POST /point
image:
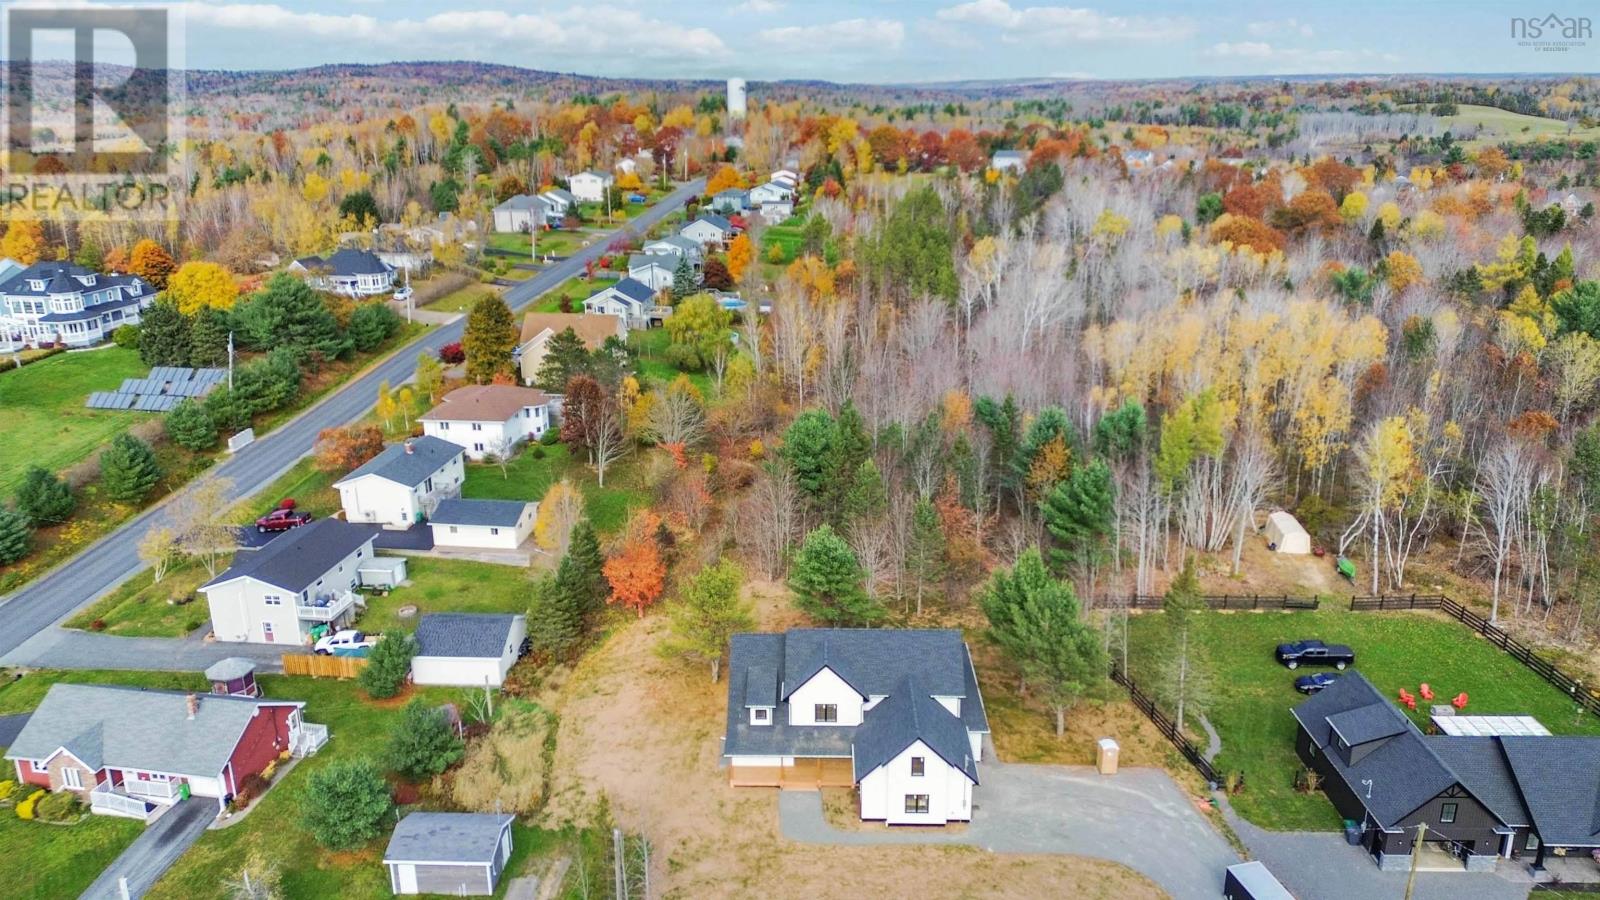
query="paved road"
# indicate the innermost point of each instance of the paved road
(154, 851)
(1139, 818)
(115, 557)
(1319, 865)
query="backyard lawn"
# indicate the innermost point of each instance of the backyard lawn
(529, 475)
(651, 346)
(556, 243)
(46, 422)
(45, 860)
(1252, 693)
(448, 585)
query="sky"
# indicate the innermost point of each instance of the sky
(888, 40)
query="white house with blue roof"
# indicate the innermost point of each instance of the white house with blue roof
(629, 299)
(467, 649)
(58, 302)
(401, 486)
(895, 713)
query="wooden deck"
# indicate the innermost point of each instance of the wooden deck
(804, 775)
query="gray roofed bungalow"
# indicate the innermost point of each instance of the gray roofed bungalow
(460, 854)
(895, 712)
(461, 511)
(1482, 797)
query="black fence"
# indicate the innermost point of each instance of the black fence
(1226, 601)
(1165, 725)
(1517, 650)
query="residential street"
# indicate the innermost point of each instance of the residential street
(1138, 817)
(153, 852)
(114, 558)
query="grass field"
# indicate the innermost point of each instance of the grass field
(786, 235)
(1253, 693)
(653, 367)
(139, 607)
(448, 585)
(528, 476)
(46, 422)
(555, 243)
(44, 860)
(461, 301)
(1499, 125)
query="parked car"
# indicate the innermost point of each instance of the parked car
(283, 519)
(403, 294)
(1316, 681)
(348, 639)
(1315, 653)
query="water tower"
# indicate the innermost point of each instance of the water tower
(736, 98)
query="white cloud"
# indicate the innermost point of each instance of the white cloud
(1264, 58)
(884, 33)
(762, 7)
(565, 36)
(1247, 49)
(1065, 23)
(1277, 27)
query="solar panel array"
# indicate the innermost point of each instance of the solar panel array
(1490, 726)
(161, 390)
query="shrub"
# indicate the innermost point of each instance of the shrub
(20, 791)
(388, 665)
(422, 743)
(25, 809)
(452, 354)
(126, 337)
(551, 437)
(538, 452)
(58, 807)
(252, 787)
(190, 426)
(6, 787)
(371, 324)
(345, 804)
(97, 625)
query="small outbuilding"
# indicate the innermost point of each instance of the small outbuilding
(384, 573)
(467, 649)
(1252, 881)
(234, 676)
(482, 524)
(1286, 535)
(459, 854)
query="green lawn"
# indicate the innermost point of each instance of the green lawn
(310, 488)
(557, 243)
(1501, 124)
(1253, 692)
(462, 300)
(43, 860)
(576, 289)
(139, 607)
(528, 476)
(23, 694)
(46, 422)
(448, 585)
(787, 235)
(653, 367)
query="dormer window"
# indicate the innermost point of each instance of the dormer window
(827, 713)
(36, 285)
(760, 715)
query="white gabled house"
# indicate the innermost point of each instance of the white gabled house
(676, 245)
(789, 178)
(591, 186)
(628, 299)
(352, 272)
(482, 524)
(522, 213)
(303, 578)
(652, 269)
(562, 204)
(61, 302)
(710, 230)
(895, 713)
(771, 192)
(489, 419)
(400, 486)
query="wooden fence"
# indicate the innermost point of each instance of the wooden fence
(322, 666)
(1165, 725)
(1572, 687)
(1223, 601)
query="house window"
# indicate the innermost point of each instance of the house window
(761, 715)
(444, 426)
(273, 600)
(477, 426)
(1447, 813)
(827, 712)
(919, 766)
(478, 447)
(916, 803)
(494, 531)
(71, 779)
(452, 529)
(428, 485)
(1532, 843)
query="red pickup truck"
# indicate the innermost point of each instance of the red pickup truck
(282, 520)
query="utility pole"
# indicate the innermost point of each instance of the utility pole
(230, 361)
(1411, 880)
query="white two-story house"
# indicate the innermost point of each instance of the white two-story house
(489, 419)
(590, 187)
(58, 302)
(303, 578)
(401, 486)
(895, 713)
(629, 299)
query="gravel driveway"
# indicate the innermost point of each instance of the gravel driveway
(1138, 817)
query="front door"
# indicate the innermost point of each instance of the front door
(408, 878)
(266, 632)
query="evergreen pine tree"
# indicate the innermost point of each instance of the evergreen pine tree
(683, 280)
(164, 336)
(1080, 513)
(16, 536)
(208, 338)
(288, 314)
(925, 556)
(564, 356)
(43, 498)
(190, 426)
(584, 549)
(828, 582)
(128, 469)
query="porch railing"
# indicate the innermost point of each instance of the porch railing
(106, 800)
(309, 739)
(332, 609)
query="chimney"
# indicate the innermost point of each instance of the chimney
(194, 704)
(409, 451)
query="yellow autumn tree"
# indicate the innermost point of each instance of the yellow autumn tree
(200, 284)
(724, 178)
(1354, 207)
(23, 241)
(1427, 225)
(1403, 270)
(559, 513)
(1389, 215)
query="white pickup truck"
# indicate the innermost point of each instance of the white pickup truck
(347, 640)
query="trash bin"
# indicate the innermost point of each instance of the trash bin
(1105, 757)
(1352, 832)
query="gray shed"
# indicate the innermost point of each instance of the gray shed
(448, 853)
(382, 572)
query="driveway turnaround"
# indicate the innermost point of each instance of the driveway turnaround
(115, 557)
(1319, 865)
(153, 852)
(1138, 817)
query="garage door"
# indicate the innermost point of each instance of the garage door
(452, 880)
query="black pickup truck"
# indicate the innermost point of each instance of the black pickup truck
(1315, 653)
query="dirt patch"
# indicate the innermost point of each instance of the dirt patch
(644, 734)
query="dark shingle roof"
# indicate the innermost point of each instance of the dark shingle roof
(760, 686)
(721, 222)
(428, 455)
(909, 715)
(112, 725)
(445, 837)
(634, 289)
(1482, 769)
(497, 513)
(1559, 777)
(1367, 723)
(350, 261)
(875, 660)
(297, 558)
(464, 634)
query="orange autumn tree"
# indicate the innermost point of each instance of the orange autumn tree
(740, 253)
(636, 572)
